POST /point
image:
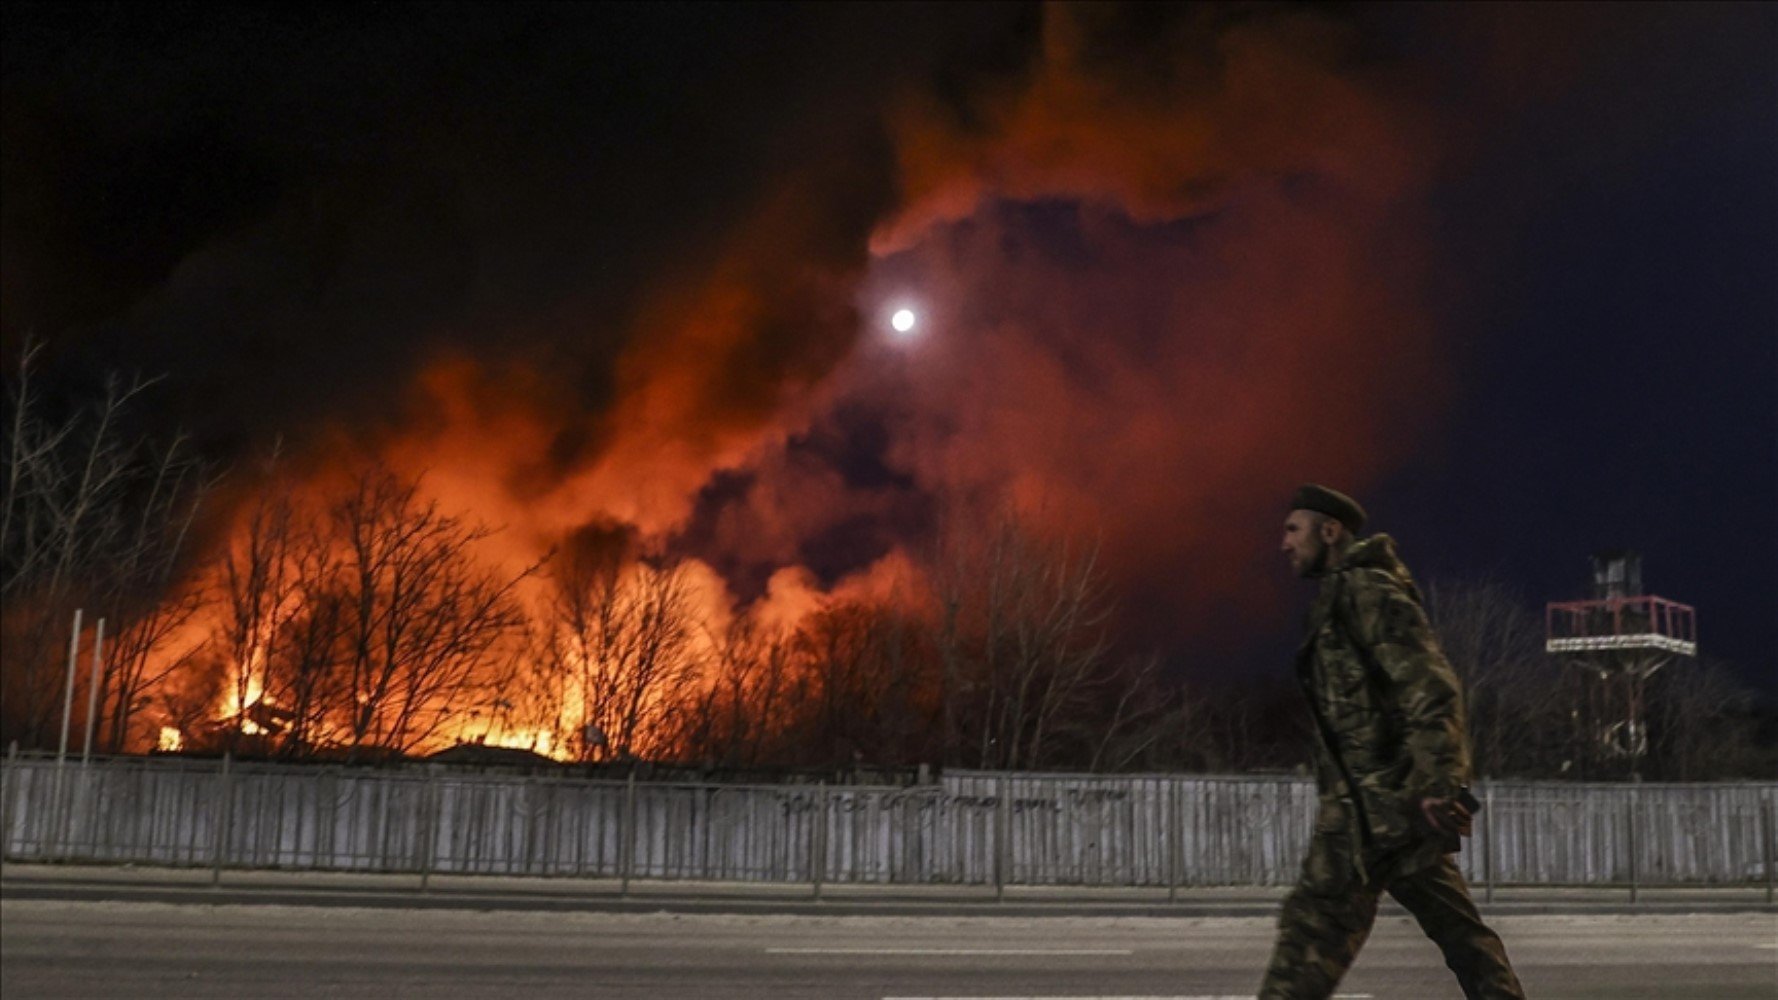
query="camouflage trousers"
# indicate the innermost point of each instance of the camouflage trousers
(1328, 915)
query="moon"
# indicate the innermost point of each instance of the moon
(902, 321)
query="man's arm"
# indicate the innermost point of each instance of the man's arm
(1391, 626)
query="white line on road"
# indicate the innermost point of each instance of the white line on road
(1200, 996)
(949, 951)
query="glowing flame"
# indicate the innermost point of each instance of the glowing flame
(550, 713)
(234, 708)
(536, 740)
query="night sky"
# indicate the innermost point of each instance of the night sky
(1507, 274)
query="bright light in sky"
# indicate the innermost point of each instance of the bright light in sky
(903, 320)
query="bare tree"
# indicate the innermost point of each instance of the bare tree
(743, 714)
(150, 648)
(1516, 694)
(305, 673)
(1534, 715)
(1026, 644)
(261, 597)
(422, 626)
(618, 638)
(864, 686)
(1257, 723)
(94, 516)
(1149, 719)
(1702, 725)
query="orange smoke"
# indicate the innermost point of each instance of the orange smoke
(1157, 299)
(1165, 304)
(1237, 309)
(1261, 100)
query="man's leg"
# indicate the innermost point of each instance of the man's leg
(1325, 921)
(1439, 900)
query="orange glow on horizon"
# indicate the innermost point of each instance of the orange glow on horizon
(544, 718)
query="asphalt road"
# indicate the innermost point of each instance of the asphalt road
(53, 948)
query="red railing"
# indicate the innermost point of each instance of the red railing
(1614, 617)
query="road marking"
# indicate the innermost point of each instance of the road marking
(1197, 996)
(949, 951)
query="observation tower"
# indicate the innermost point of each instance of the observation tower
(1616, 640)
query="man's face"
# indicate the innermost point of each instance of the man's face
(1304, 544)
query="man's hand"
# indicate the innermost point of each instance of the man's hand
(1446, 816)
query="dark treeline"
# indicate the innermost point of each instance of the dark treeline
(1537, 715)
(362, 621)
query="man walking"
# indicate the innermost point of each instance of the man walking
(1391, 766)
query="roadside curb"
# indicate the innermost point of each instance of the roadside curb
(414, 899)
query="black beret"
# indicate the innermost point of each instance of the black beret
(1333, 503)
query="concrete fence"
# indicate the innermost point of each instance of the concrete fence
(970, 828)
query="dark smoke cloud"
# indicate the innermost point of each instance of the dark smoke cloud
(1156, 293)
(292, 212)
(576, 268)
(627, 267)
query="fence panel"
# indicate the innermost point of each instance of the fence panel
(1158, 830)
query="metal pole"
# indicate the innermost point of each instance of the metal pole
(818, 839)
(92, 694)
(627, 838)
(1630, 817)
(1487, 838)
(222, 821)
(68, 691)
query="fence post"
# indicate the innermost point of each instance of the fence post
(1002, 817)
(818, 838)
(1768, 820)
(627, 835)
(582, 819)
(1175, 836)
(1487, 839)
(1630, 816)
(92, 694)
(527, 794)
(224, 816)
(70, 785)
(706, 869)
(431, 798)
(68, 692)
(62, 796)
(6, 808)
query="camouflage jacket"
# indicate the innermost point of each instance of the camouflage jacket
(1389, 709)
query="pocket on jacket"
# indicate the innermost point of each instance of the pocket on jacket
(1392, 812)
